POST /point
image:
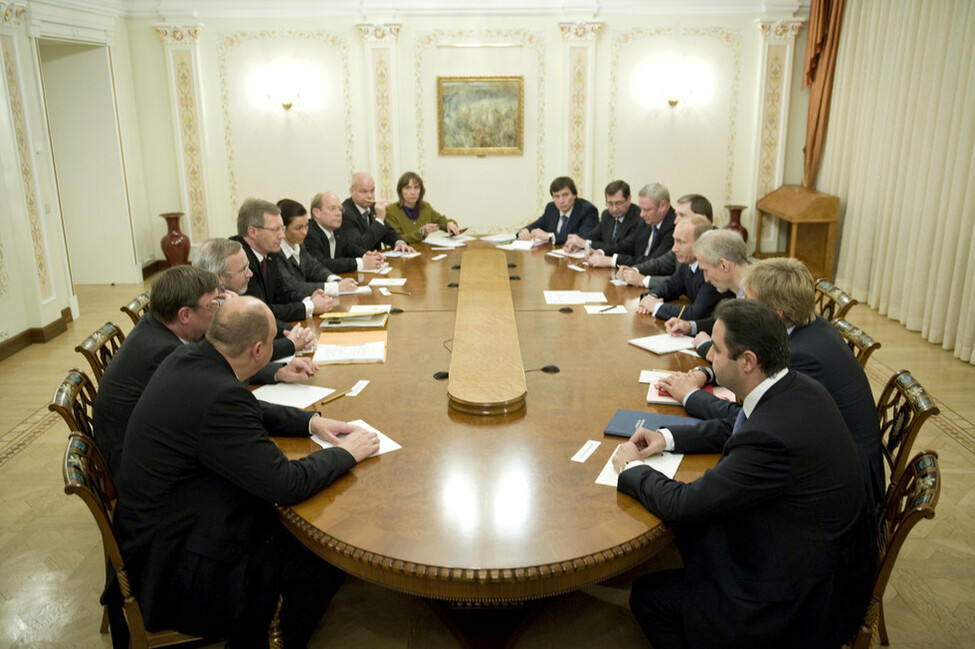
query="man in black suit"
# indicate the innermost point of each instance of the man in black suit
(260, 231)
(652, 272)
(566, 214)
(778, 545)
(620, 220)
(195, 520)
(817, 350)
(688, 280)
(327, 243)
(364, 219)
(651, 239)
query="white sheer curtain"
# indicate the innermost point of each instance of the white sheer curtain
(900, 154)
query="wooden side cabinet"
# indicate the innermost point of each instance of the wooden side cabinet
(812, 219)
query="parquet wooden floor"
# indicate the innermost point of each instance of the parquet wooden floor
(51, 559)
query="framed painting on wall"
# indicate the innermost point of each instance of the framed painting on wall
(480, 115)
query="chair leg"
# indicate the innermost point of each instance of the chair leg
(884, 641)
(104, 627)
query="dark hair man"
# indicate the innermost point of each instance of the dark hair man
(620, 220)
(566, 214)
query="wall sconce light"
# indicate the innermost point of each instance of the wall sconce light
(672, 101)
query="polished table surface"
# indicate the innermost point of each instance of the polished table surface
(490, 509)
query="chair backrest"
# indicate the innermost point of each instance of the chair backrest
(74, 400)
(913, 497)
(832, 302)
(861, 344)
(86, 475)
(902, 409)
(136, 307)
(100, 346)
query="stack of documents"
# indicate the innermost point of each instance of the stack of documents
(499, 238)
(522, 245)
(360, 316)
(574, 297)
(663, 343)
(351, 347)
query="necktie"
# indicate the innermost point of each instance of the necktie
(653, 235)
(562, 222)
(264, 267)
(331, 247)
(616, 229)
(365, 217)
(739, 421)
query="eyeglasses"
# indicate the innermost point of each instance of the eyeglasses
(615, 203)
(277, 230)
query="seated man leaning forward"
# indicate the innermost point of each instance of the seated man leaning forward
(205, 551)
(566, 214)
(778, 547)
(688, 280)
(620, 220)
(364, 219)
(651, 239)
(329, 244)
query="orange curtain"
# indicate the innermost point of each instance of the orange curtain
(825, 20)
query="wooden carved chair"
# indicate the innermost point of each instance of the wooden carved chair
(100, 346)
(902, 409)
(913, 497)
(137, 307)
(86, 474)
(861, 344)
(832, 302)
(74, 400)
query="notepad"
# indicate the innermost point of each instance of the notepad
(351, 347)
(667, 463)
(292, 394)
(393, 254)
(661, 396)
(502, 237)
(386, 444)
(388, 281)
(663, 343)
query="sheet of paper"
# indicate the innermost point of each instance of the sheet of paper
(564, 297)
(444, 242)
(388, 281)
(365, 353)
(555, 253)
(384, 291)
(438, 257)
(663, 343)
(382, 269)
(502, 237)
(578, 269)
(666, 463)
(689, 352)
(357, 388)
(521, 245)
(617, 282)
(587, 449)
(618, 309)
(360, 290)
(292, 394)
(594, 296)
(385, 443)
(393, 254)
(649, 376)
(370, 308)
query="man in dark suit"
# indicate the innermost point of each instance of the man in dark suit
(818, 351)
(195, 521)
(778, 545)
(566, 214)
(364, 219)
(619, 221)
(260, 231)
(651, 239)
(654, 271)
(327, 243)
(688, 280)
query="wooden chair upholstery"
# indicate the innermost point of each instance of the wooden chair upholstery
(902, 409)
(913, 497)
(86, 474)
(832, 302)
(100, 346)
(861, 344)
(74, 400)
(137, 307)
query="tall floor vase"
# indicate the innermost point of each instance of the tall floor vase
(175, 245)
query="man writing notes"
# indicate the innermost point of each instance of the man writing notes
(620, 220)
(364, 219)
(777, 543)
(652, 272)
(329, 244)
(652, 239)
(688, 280)
(816, 350)
(566, 214)
(195, 522)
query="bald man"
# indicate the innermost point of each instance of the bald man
(364, 219)
(195, 522)
(328, 244)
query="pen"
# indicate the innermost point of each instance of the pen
(400, 292)
(681, 312)
(609, 308)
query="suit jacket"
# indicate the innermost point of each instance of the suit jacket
(305, 272)
(126, 376)
(703, 296)
(601, 236)
(316, 244)
(583, 218)
(819, 352)
(777, 541)
(362, 237)
(408, 229)
(663, 264)
(631, 250)
(278, 291)
(196, 488)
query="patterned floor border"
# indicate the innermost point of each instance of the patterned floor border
(951, 423)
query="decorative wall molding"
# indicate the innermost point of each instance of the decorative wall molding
(232, 41)
(527, 39)
(179, 34)
(730, 38)
(28, 176)
(379, 33)
(379, 40)
(780, 30)
(580, 31)
(12, 14)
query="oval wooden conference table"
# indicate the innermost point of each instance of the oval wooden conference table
(490, 509)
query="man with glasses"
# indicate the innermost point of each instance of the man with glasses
(260, 230)
(652, 238)
(620, 220)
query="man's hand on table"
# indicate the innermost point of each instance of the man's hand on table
(302, 337)
(297, 369)
(679, 384)
(647, 304)
(677, 327)
(321, 302)
(643, 444)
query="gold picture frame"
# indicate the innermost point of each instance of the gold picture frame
(481, 115)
